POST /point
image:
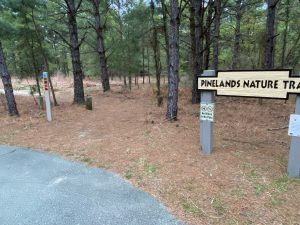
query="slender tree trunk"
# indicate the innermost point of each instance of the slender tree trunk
(6, 80)
(130, 82)
(172, 107)
(36, 72)
(198, 5)
(100, 46)
(237, 36)
(193, 40)
(65, 66)
(75, 53)
(124, 80)
(34, 66)
(148, 65)
(217, 22)
(143, 65)
(44, 56)
(270, 34)
(208, 34)
(156, 52)
(285, 32)
(166, 32)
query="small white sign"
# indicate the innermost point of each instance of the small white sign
(294, 126)
(207, 111)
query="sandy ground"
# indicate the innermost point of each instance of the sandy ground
(244, 181)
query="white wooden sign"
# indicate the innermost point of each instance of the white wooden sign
(260, 84)
(207, 111)
(294, 126)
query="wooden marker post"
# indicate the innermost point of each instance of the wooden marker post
(206, 117)
(47, 96)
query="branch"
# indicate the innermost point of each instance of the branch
(68, 6)
(62, 37)
(82, 39)
(78, 6)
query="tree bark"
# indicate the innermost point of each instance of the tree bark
(172, 107)
(6, 80)
(35, 67)
(166, 32)
(65, 66)
(270, 34)
(100, 46)
(237, 36)
(198, 6)
(75, 53)
(143, 74)
(193, 40)
(208, 34)
(217, 22)
(285, 32)
(156, 51)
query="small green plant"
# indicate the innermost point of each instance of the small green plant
(188, 208)
(219, 207)
(281, 184)
(150, 169)
(128, 174)
(33, 89)
(86, 160)
(259, 189)
(254, 173)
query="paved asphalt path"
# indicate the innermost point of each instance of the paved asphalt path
(38, 188)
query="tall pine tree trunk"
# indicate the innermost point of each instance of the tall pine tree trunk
(285, 33)
(172, 107)
(100, 46)
(193, 40)
(165, 22)
(6, 80)
(237, 36)
(156, 51)
(75, 54)
(208, 34)
(217, 22)
(270, 34)
(198, 6)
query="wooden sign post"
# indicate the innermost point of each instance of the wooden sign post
(276, 84)
(47, 96)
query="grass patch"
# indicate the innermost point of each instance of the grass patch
(259, 189)
(219, 206)
(150, 169)
(191, 208)
(281, 184)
